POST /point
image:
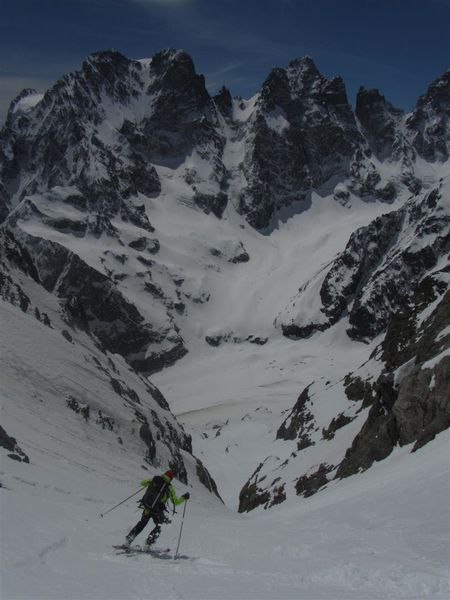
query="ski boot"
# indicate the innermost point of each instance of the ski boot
(153, 536)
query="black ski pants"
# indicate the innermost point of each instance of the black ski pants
(158, 519)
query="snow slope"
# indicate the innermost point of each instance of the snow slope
(382, 534)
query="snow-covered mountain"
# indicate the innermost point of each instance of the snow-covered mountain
(278, 267)
(53, 367)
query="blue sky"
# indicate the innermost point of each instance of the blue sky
(397, 46)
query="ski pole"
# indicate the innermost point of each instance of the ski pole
(181, 529)
(108, 511)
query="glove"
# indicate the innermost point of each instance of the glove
(186, 496)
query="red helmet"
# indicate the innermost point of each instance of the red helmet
(170, 474)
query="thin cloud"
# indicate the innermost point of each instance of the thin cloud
(224, 76)
(225, 69)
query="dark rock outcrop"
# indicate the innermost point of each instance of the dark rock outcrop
(15, 452)
(337, 423)
(413, 405)
(224, 102)
(251, 496)
(299, 423)
(205, 478)
(308, 485)
(349, 273)
(211, 204)
(380, 121)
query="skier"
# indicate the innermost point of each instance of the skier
(159, 492)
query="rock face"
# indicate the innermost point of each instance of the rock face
(66, 148)
(429, 122)
(92, 299)
(408, 403)
(10, 444)
(99, 130)
(380, 122)
(380, 266)
(412, 397)
(252, 496)
(302, 132)
(299, 423)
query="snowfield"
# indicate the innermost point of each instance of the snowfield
(382, 534)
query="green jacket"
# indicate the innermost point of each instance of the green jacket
(169, 494)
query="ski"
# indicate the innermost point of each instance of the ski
(161, 553)
(141, 549)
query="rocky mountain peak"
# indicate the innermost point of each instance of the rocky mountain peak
(298, 80)
(167, 57)
(275, 90)
(78, 97)
(310, 92)
(304, 77)
(105, 57)
(21, 105)
(438, 94)
(224, 101)
(303, 66)
(302, 133)
(334, 92)
(107, 72)
(178, 89)
(175, 69)
(379, 119)
(372, 100)
(305, 131)
(429, 122)
(23, 94)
